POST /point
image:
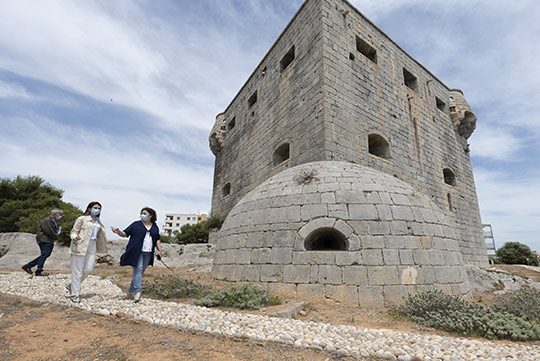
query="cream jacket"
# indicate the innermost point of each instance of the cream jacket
(83, 227)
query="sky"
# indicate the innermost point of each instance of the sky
(114, 100)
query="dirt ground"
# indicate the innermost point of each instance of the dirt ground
(41, 331)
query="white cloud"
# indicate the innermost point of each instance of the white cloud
(510, 203)
(495, 143)
(124, 174)
(12, 91)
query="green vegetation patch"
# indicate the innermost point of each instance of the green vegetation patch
(172, 286)
(239, 296)
(524, 303)
(451, 313)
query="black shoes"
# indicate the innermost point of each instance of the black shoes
(41, 274)
(27, 269)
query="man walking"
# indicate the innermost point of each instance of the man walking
(46, 236)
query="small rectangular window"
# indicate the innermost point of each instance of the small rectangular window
(440, 104)
(252, 99)
(177, 224)
(231, 124)
(189, 218)
(287, 59)
(410, 80)
(367, 50)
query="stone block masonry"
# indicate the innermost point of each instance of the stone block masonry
(382, 177)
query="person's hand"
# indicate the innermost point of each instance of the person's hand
(115, 230)
(78, 238)
(110, 242)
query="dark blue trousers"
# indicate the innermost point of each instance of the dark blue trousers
(46, 250)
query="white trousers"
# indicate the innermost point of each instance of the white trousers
(81, 266)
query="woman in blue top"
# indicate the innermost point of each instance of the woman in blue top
(143, 239)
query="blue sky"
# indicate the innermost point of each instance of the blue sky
(114, 100)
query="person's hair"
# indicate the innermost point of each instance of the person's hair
(89, 207)
(153, 215)
(56, 211)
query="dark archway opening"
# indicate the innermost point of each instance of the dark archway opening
(281, 154)
(326, 239)
(378, 146)
(449, 177)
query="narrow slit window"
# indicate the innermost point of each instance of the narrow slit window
(450, 207)
(449, 177)
(252, 99)
(367, 50)
(226, 190)
(281, 154)
(287, 59)
(410, 80)
(378, 146)
(440, 104)
(231, 124)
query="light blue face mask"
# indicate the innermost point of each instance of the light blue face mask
(58, 217)
(95, 212)
(144, 217)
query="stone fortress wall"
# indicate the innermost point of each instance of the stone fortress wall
(335, 88)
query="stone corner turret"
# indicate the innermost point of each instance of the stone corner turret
(463, 118)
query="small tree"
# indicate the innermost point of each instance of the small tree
(215, 221)
(193, 233)
(25, 201)
(23, 196)
(516, 253)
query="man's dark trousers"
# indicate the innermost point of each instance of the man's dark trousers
(46, 250)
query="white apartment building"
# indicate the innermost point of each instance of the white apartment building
(174, 221)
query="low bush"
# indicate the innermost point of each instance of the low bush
(172, 286)
(524, 303)
(240, 296)
(451, 313)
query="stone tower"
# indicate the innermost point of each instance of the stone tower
(344, 168)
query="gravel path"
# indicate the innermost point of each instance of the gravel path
(105, 298)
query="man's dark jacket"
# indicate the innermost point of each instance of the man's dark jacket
(48, 230)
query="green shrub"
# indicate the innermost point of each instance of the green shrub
(516, 253)
(215, 221)
(192, 233)
(524, 303)
(172, 286)
(451, 313)
(239, 296)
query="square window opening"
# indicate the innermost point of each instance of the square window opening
(367, 50)
(440, 104)
(287, 59)
(410, 80)
(231, 124)
(252, 99)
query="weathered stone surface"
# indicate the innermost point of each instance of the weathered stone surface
(370, 142)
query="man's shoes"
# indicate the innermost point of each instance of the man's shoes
(27, 269)
(41, 274)
(75, 299)
(137, 297)
(130, 295)
(68, 287)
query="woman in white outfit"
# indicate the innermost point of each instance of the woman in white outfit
(87, 238)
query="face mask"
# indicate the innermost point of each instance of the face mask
(95, 212)
(144, 217)
(58, 217)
